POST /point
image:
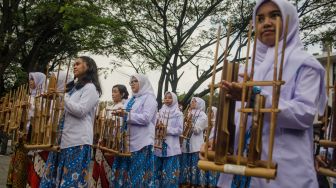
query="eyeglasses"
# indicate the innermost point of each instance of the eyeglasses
(133, 82)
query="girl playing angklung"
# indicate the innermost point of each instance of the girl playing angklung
(167, 166)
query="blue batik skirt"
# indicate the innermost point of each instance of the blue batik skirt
(167, 171)
(68, 168)
(190, 174)
(211, 178)
(135, 171)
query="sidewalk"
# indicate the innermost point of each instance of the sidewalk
(4, 163)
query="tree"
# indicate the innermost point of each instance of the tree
(170, 35)
(35, 33)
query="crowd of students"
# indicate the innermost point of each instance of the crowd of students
(175, 164)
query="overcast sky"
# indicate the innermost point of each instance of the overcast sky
(121, 76)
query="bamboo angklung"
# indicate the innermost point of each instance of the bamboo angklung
(329, 140)
(188, 125)
(225, 126)
(252, 165)
(161, 131)
(13, 112)
(212, 89)
(114, 135)
(49, 109)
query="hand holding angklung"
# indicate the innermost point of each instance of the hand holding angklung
(118, 112)
(234, 89)
(203, 149)
(320, 162)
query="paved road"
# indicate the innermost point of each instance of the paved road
(4, 163)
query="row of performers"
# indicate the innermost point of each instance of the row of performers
(170, 166)
(302, 96)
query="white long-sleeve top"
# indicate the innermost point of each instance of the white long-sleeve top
(141, 121)
(79, 116)
(174, 130)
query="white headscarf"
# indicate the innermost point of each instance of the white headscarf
(200, 103)
(39, 79)
(173, 109)
(145, 86)
(295, 56)
(61, 80)
(214, 111)
(199, 112)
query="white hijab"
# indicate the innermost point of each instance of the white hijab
(214, 111)
(199, 112)
(144, 84)
(173, 109)
(39, 79)
(61, 80)
(295, 56)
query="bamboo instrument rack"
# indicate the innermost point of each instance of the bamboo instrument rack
(161, 130)
(221, 157)
(329, 140)
(48, 115)
(114, 136)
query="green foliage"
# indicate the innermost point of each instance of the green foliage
(35, 33)
(173, 36)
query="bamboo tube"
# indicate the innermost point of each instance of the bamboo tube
(243, 116)
(267, 173)
(212, 92)
(262, 110)
(328, 87)
(327, 143)
(222, 120)
(46, 147)
(233, 160)
(284, 44)
(274, 94)
(255, 145)
(326, 172)
(263, 83)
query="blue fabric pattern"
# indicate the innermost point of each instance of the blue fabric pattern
(190, 174)
(125, 126)
(164, 148)
(167, 171)
(69, 168)
(135, 171)
(240, 181)
(211, 178)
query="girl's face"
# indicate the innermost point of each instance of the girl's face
(135, 86)
(80, 68)
(32, 83)
(193, 104)
(168, 99)
(266, 22)
(116, 95)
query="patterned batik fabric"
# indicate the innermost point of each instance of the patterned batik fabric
(239, 181)
(102, 170)
(211, 178)
(167, 171)
(36, 168)
(17, 172)
(72, 169)
(190, 174)
(135, 171)
(48, 179)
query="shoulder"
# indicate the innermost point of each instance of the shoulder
(148, 98)
(306, 59)
(90, 88)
